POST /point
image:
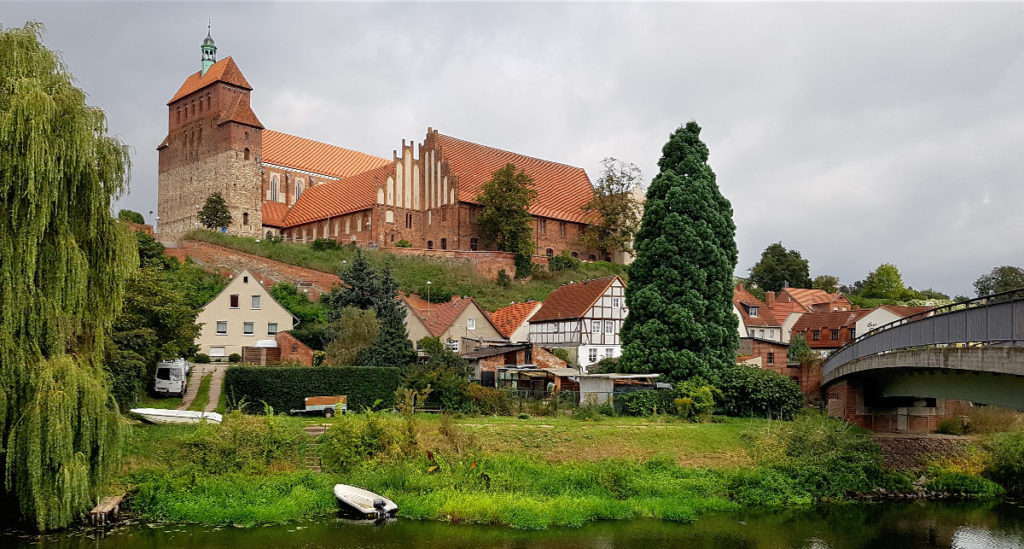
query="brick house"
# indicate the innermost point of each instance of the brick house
(826, 332)
(584, 318)
(424, 196)
(772, 355)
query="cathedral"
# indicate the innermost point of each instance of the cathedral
(276, 184)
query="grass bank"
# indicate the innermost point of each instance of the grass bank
(529, 474)
(412, 272)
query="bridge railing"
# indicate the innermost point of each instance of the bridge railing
(994, 319)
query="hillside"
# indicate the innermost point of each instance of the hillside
(447, 276)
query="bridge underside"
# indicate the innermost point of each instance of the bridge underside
(919, 382)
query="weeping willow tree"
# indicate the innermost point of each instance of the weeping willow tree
(63, 266)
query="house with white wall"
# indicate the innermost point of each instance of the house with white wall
(243, 313)
(585, 318)
(460, 317)
(755, 317)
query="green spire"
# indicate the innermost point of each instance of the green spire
(209, 51)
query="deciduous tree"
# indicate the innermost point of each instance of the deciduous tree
(828, 283)
(354, 331)
(681, 320)
(616, 208)
(215, 214)
(505, 221)
(779, 267)
(131, 217)
(885, 282)
(1000, 279)
(64, 263)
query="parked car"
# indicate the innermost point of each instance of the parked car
(172, 377)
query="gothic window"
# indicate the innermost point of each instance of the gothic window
(593, 257)
(549, 252)
(542, 226)
(245, 218)
(273, 187)
(207, 101)
(193, 108)
(561, 229)
(179, 115)
(473, 244)
(430, 244)
(576, 255)
(298, 190)
(245, 153)
(444, 243)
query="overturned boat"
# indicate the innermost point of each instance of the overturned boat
(364, 503)
(161, 416)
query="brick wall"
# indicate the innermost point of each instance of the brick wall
(293, 349)
(544, 359)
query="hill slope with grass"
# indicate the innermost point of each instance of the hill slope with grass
(447, 276)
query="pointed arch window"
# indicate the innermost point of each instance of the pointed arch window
(245, 153)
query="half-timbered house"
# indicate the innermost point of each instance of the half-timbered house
(585, 318)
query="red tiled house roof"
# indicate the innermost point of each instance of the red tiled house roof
(313, 156)
(442, 315)
(509, 319)
(744, 301)
(274, 213)
(562, 190)
(240, 111)
(825, 321)
(573, 300)
(811, 299)
(332, 198)
(224, 70)
(903, 311)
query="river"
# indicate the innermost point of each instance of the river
(891, 525)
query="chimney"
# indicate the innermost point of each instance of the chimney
(769, 298)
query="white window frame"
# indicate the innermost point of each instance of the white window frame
(595, 326)
(217, 351)
(609, 352)
(753, 312)
(225, 323)
(609, 327)
(271, 331)
(471, 323)
(256, 303)
(592, 355)
(615, 302)
(760, 334)
(248, 328)
(452, 345)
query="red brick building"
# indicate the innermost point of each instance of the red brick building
(424, 196)
(826, 332)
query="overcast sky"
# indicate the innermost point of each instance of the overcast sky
(858, 134)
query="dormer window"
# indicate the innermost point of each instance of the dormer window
(753, 311)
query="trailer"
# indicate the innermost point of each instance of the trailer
(328, 406)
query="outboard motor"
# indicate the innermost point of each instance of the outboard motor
(378, 504)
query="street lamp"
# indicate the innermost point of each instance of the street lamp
(428, 299)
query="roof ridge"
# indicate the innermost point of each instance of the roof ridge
(293, 136)
(508, 151)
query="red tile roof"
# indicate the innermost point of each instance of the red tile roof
(573, 300)
(903, 311)
(811, 299)
(333, 198)
(509, 319)
(828, 320)
(782, 309)
(562, 190)
(744, 300)
(313, 156)
(274, 213)
(441, 315)
(240, 111)
(224, 70)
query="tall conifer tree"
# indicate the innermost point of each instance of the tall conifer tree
(63, 266)
(681, 322)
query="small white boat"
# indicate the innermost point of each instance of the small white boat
(161, 416)
(364, 502)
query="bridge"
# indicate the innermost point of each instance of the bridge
(909, 374)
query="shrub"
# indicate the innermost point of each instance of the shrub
(324, 244)
(1007, 466)
(561, 353)
(826, 457)
(950, 426)
(751, 391)
(201, 358)
(952, 482)
(504, 280)
(243, 443)
(646, 402)
(524, 265)
(403, 243)
(353, 439)
(235, 358)
(993, 419)
(564, 262)
(285, 388)
(695, 400)
(490, 401)
(606, 365)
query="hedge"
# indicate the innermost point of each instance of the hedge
(286, 388)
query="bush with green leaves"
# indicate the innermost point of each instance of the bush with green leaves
(695, 400)
(201, 358)
(564, 262)
(749, 391)
(234, 358)
(286, 388)
(353, 439)
(444, 372)
(403, 243)
(491, 401)
(324, 244)
(246, 443)
(646, 402)
(1007, 465)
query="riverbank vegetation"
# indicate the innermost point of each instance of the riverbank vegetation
(525, 473)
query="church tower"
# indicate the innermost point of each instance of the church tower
(213, 144)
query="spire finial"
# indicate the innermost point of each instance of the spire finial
(209, 50)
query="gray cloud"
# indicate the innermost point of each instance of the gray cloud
(856, 133)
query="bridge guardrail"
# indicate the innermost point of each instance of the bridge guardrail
(997, 318)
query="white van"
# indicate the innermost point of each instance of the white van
(172, 376)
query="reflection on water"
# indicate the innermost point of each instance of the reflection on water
(896, 526)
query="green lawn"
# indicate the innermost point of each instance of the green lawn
(166, 403)
(203, 395)
(412, 272)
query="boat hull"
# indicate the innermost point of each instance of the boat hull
(359, 502)
(166, 417)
